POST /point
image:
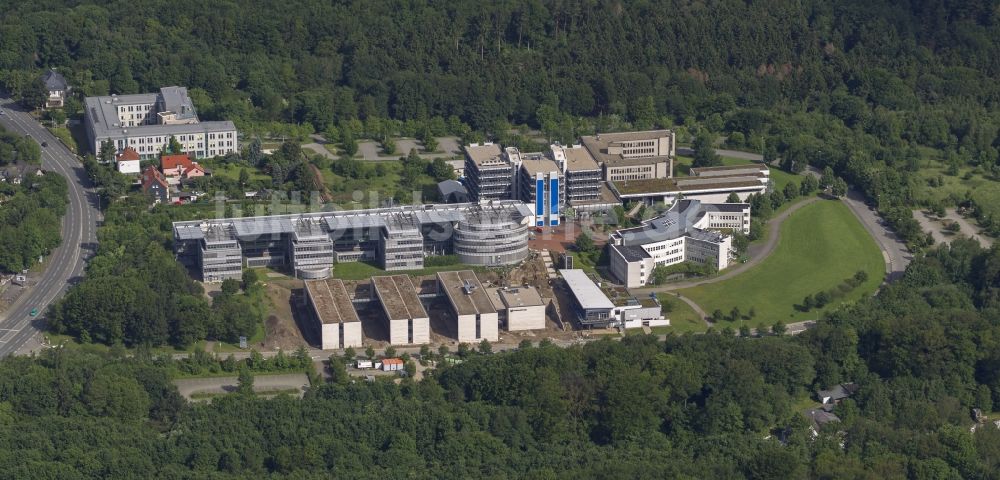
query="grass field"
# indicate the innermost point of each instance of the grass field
(821, 245)
(682, 318)
(232, 171)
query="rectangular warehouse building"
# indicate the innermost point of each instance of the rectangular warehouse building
(593, 308)
(521, 308)
(406, 319)
(330, 304)
(475, 318)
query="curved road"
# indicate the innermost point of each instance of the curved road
(66, 263)
(757, 253)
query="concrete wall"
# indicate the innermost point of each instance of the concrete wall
(330, 336)
(421, 330)
(399, 332)
(466, 328)
(489, 327)
(526, 318)
(352, 334)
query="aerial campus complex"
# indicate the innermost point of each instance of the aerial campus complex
(511, 193)
(146, 122)
(492, 233)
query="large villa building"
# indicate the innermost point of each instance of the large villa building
(689, 231)
(146, 122)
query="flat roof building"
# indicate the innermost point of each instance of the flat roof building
(488, 173)
(474, 315)
(398, 238)
(147, 121)
(592, 306)
(633, 155)
(520, 308)
(331, 306)
(405, 317)
(713, 188)
(689, 231)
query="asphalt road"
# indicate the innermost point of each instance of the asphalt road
(79, 233)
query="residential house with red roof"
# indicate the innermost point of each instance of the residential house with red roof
(177, 167)
(127, 161)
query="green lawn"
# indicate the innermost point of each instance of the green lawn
(682, 318)
(821, 245)
(232, 172)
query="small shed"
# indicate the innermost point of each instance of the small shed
(392, 364)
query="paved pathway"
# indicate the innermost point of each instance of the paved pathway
(262, 383)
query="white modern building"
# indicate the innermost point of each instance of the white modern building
(597, 305)
(520, 308)
(147, 121)
(474, 316)
(689, 231)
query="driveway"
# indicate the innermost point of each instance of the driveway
(261, 384)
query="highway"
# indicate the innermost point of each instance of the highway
(65, 265)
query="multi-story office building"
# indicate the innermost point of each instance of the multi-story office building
(582, 175)
(147, 121)
(488, 172)
(397, 238)
(689, 231)
(707, 184)
(633, 155)
(539, 183)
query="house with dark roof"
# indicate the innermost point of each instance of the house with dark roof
(57, 87)
(18, 172)
(689, 231)
(818, 418)
(155, 184)
(836, 393)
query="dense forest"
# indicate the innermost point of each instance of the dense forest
(924, 352)
(873, 89)
(136, 293)
(30, 219)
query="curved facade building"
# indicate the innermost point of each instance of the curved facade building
(483, 239)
